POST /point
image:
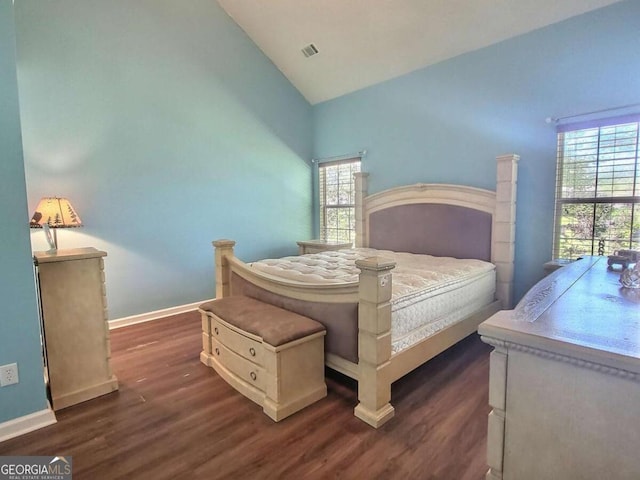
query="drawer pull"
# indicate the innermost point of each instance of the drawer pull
(216, 330)
(253, 375)
(252, 351)
(217, 351)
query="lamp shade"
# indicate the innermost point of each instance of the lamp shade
(56, 212)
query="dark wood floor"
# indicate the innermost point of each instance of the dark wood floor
(174, 418)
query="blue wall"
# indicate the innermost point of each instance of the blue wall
(448, 122)
(167, 128)
(19, 330)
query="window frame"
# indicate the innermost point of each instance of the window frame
(597, 198)
(324, 206)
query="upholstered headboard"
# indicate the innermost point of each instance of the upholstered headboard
(434, 229)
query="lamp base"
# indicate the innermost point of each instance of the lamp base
(52, 240)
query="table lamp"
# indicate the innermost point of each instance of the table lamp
(54, 213)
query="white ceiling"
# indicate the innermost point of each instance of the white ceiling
(363, 42)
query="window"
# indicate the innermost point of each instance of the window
(598, 189)
(336, 188)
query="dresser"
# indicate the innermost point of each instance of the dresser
(74, 319)
(565, 379)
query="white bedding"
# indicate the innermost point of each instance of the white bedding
(428, 293)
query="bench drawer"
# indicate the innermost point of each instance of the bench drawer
(236, 342)
(242, 368)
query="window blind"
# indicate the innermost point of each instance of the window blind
(597, 188)
(336, 188)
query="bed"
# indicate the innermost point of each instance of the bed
(436, 220)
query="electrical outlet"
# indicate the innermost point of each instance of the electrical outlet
(9, 374)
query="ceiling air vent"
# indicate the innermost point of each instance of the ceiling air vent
(310, 50)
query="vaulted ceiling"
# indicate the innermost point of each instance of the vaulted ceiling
(364, 42)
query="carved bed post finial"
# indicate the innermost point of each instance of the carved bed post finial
(504, 227)
(362, 185)
(374, 341)
(223, 248)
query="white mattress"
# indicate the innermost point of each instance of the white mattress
(429, 293)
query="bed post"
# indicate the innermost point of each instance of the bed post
(223, 248)
(374, 341)
(504, 227)
(362, 185)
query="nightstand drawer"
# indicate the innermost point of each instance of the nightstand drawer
(237, 342)
(241, 368)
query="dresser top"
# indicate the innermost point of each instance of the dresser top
(580, 310)
(68, 254)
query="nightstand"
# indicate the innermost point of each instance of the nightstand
(315, 246)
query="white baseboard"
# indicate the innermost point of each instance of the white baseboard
(155, 315)
(28, 423)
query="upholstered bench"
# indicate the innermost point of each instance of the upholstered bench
(272, 356)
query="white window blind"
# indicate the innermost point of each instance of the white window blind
(336, 188)
(598, 188)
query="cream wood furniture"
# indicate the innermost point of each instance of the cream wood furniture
(315, 246)
(271, 356)
(565, 379)
(369, 298)
(74, 316)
